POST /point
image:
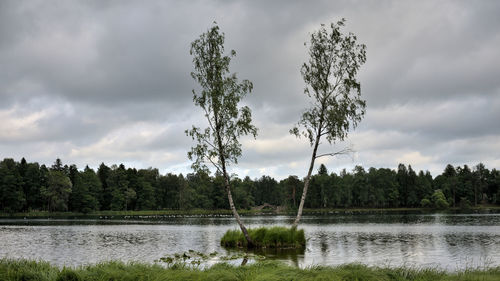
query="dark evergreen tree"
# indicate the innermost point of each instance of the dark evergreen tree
(57, 166)
(402, 179)
(72, 173)
(103, 174)
(450, 185)
(216, 193)
(83, 197)
(424, 185)
(268, 191)
(167, 192)
(12, 197)
(480, 182)
(117, 183)
(242, 192)
(146, 196)
(32, 182)
(292, 188)
(411, 182)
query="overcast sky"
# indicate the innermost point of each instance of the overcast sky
(109, 81)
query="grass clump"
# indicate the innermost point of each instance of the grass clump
(266, 237)
(268, 270)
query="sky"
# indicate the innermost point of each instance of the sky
(109, 81)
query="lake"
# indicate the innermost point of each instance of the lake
(446, 241)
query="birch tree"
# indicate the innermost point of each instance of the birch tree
(331, 84)
(221, 92)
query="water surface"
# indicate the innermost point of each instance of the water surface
(446, 241)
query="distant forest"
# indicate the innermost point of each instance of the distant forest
(29, 186)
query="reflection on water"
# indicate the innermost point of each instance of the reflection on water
(447, 241)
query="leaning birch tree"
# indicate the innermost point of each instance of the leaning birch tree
(335, 93)
(218, 144)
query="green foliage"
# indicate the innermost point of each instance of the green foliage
(145, 199)
(331, 83)
(242, 193)
(32, 182)
(57, 191)
(31, 188)
(330, 76)
(14, 270)
(12, 197)
(117, 183)
(425, 203)
(219, 98)
(267, 191)
(68, 274)
(465, 204)
(84, 196)
(291, 188)
(105, 198)
(266, 237)
(439, 200)
(320, 189)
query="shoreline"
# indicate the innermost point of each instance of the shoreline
(223, 213)
(22, 269)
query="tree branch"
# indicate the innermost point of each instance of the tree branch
(209, 143)
(213, 163)
(343, 151)
(208, 118)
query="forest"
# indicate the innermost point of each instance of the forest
(28, 186)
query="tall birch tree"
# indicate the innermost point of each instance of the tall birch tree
(331, 81)
(220, 94)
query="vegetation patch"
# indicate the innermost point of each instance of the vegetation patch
(266, 237)
(198, 259)
(267, 270)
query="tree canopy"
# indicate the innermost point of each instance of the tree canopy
(359, 188)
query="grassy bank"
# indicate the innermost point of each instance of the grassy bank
(266, 237)
(42, 271)
(222, 212)
(111, 214)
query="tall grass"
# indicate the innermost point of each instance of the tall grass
(42, 271)
(266, 237)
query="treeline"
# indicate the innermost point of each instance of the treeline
(29, 186)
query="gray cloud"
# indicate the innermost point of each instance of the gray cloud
(93, 81)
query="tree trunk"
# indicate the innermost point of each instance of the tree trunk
(454, 196)
(222, 159)
(475, 195)
(306, 182)
(250, 243)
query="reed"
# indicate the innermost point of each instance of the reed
(268, 270)
(266, 237)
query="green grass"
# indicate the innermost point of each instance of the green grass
(42, 271)
(266, 237)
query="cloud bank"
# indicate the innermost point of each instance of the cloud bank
(93, 81)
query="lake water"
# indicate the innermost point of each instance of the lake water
(446, 241)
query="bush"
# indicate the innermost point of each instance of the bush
(263, 237)
(426, 203)
(439, 200)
